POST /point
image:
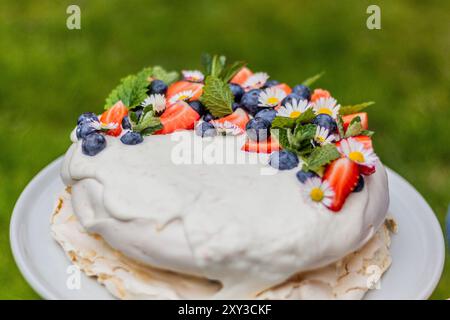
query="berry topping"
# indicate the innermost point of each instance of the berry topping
(197, 106)
(325, 121)
(360, 184)
(205, 129)
(302, 176)
(362, 115)
(234, 106)
(271, 83)
(126, 124)
(84, 129)
(283, 160)
(266, 114)
(114, 115)
(131, 138)
(87, 116)
(208, 117)
(239, 118)
(342, 175)
(178, 116)
(319, 93)
(184, 90)
(157, 87)
(290, 98)
(258, 129)
(302, 91)
(93, 144)
(241, 76)
(237, 91)
(250, 101)
(267, 146)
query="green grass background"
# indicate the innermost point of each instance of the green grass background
(49, 75)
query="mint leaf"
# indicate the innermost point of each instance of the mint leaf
(354, 128)
(163, 75)
(230, 71)
(306, 116)
(350, 109)
(282, 135)
(367, 133)
(321, 156)
(283, 122)
(132, 89)
(217, 97)
(340, 125)
(303, 134)
(309, 81)
(147, 124)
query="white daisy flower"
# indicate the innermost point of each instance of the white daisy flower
(323, 136)
(271, 97)
(183, 95)
(227, 128)
(157, 101)
(318, 191)
(193, 75)
(327, 106)
(357, 152)
(103, 126)
(256, 80)
(293, 109)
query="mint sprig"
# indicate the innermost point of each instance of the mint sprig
(311, 80)
(320, 157)
(217, 96)
(132, 89)
(350, 109)
(147, 124)
(167, 76)
(354, 128)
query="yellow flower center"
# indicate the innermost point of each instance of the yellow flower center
(325, 111)
(356, 156)
(272, 101)
(320, 139)
(183, 97)
(316, 194)
(295, 114)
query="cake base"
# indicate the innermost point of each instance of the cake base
(349, 278)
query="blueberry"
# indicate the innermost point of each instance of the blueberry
(258, 129)
(289, 98)
(205, 129)
(267, 114)
(208, 117)
(283, 160)
(360, 184)
(84, 129)
(237, 91)
(302, 176)
(157, 86)
(250, 101)
(197, 106)
(93, 144)
(271, 83)
(235, 105)
(302, 91)
(87, 116)
(326, 121)
(126, 124)
(131, 138)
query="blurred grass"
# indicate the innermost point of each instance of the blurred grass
(49, 75)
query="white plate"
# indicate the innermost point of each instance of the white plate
(417, 250)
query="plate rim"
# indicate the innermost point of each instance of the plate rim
(45, 293)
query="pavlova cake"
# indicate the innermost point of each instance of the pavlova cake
(224, 184)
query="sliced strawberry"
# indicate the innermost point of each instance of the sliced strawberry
(114, 115)
(319, 93)
(342, 175)
(239, 117)
(364, 120)
(365, 140)
(178, 116)
(241, 76)
(267, 146)
(180, 86)
(284, 87)
(367, 171)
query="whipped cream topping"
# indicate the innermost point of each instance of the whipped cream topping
(225, 222)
